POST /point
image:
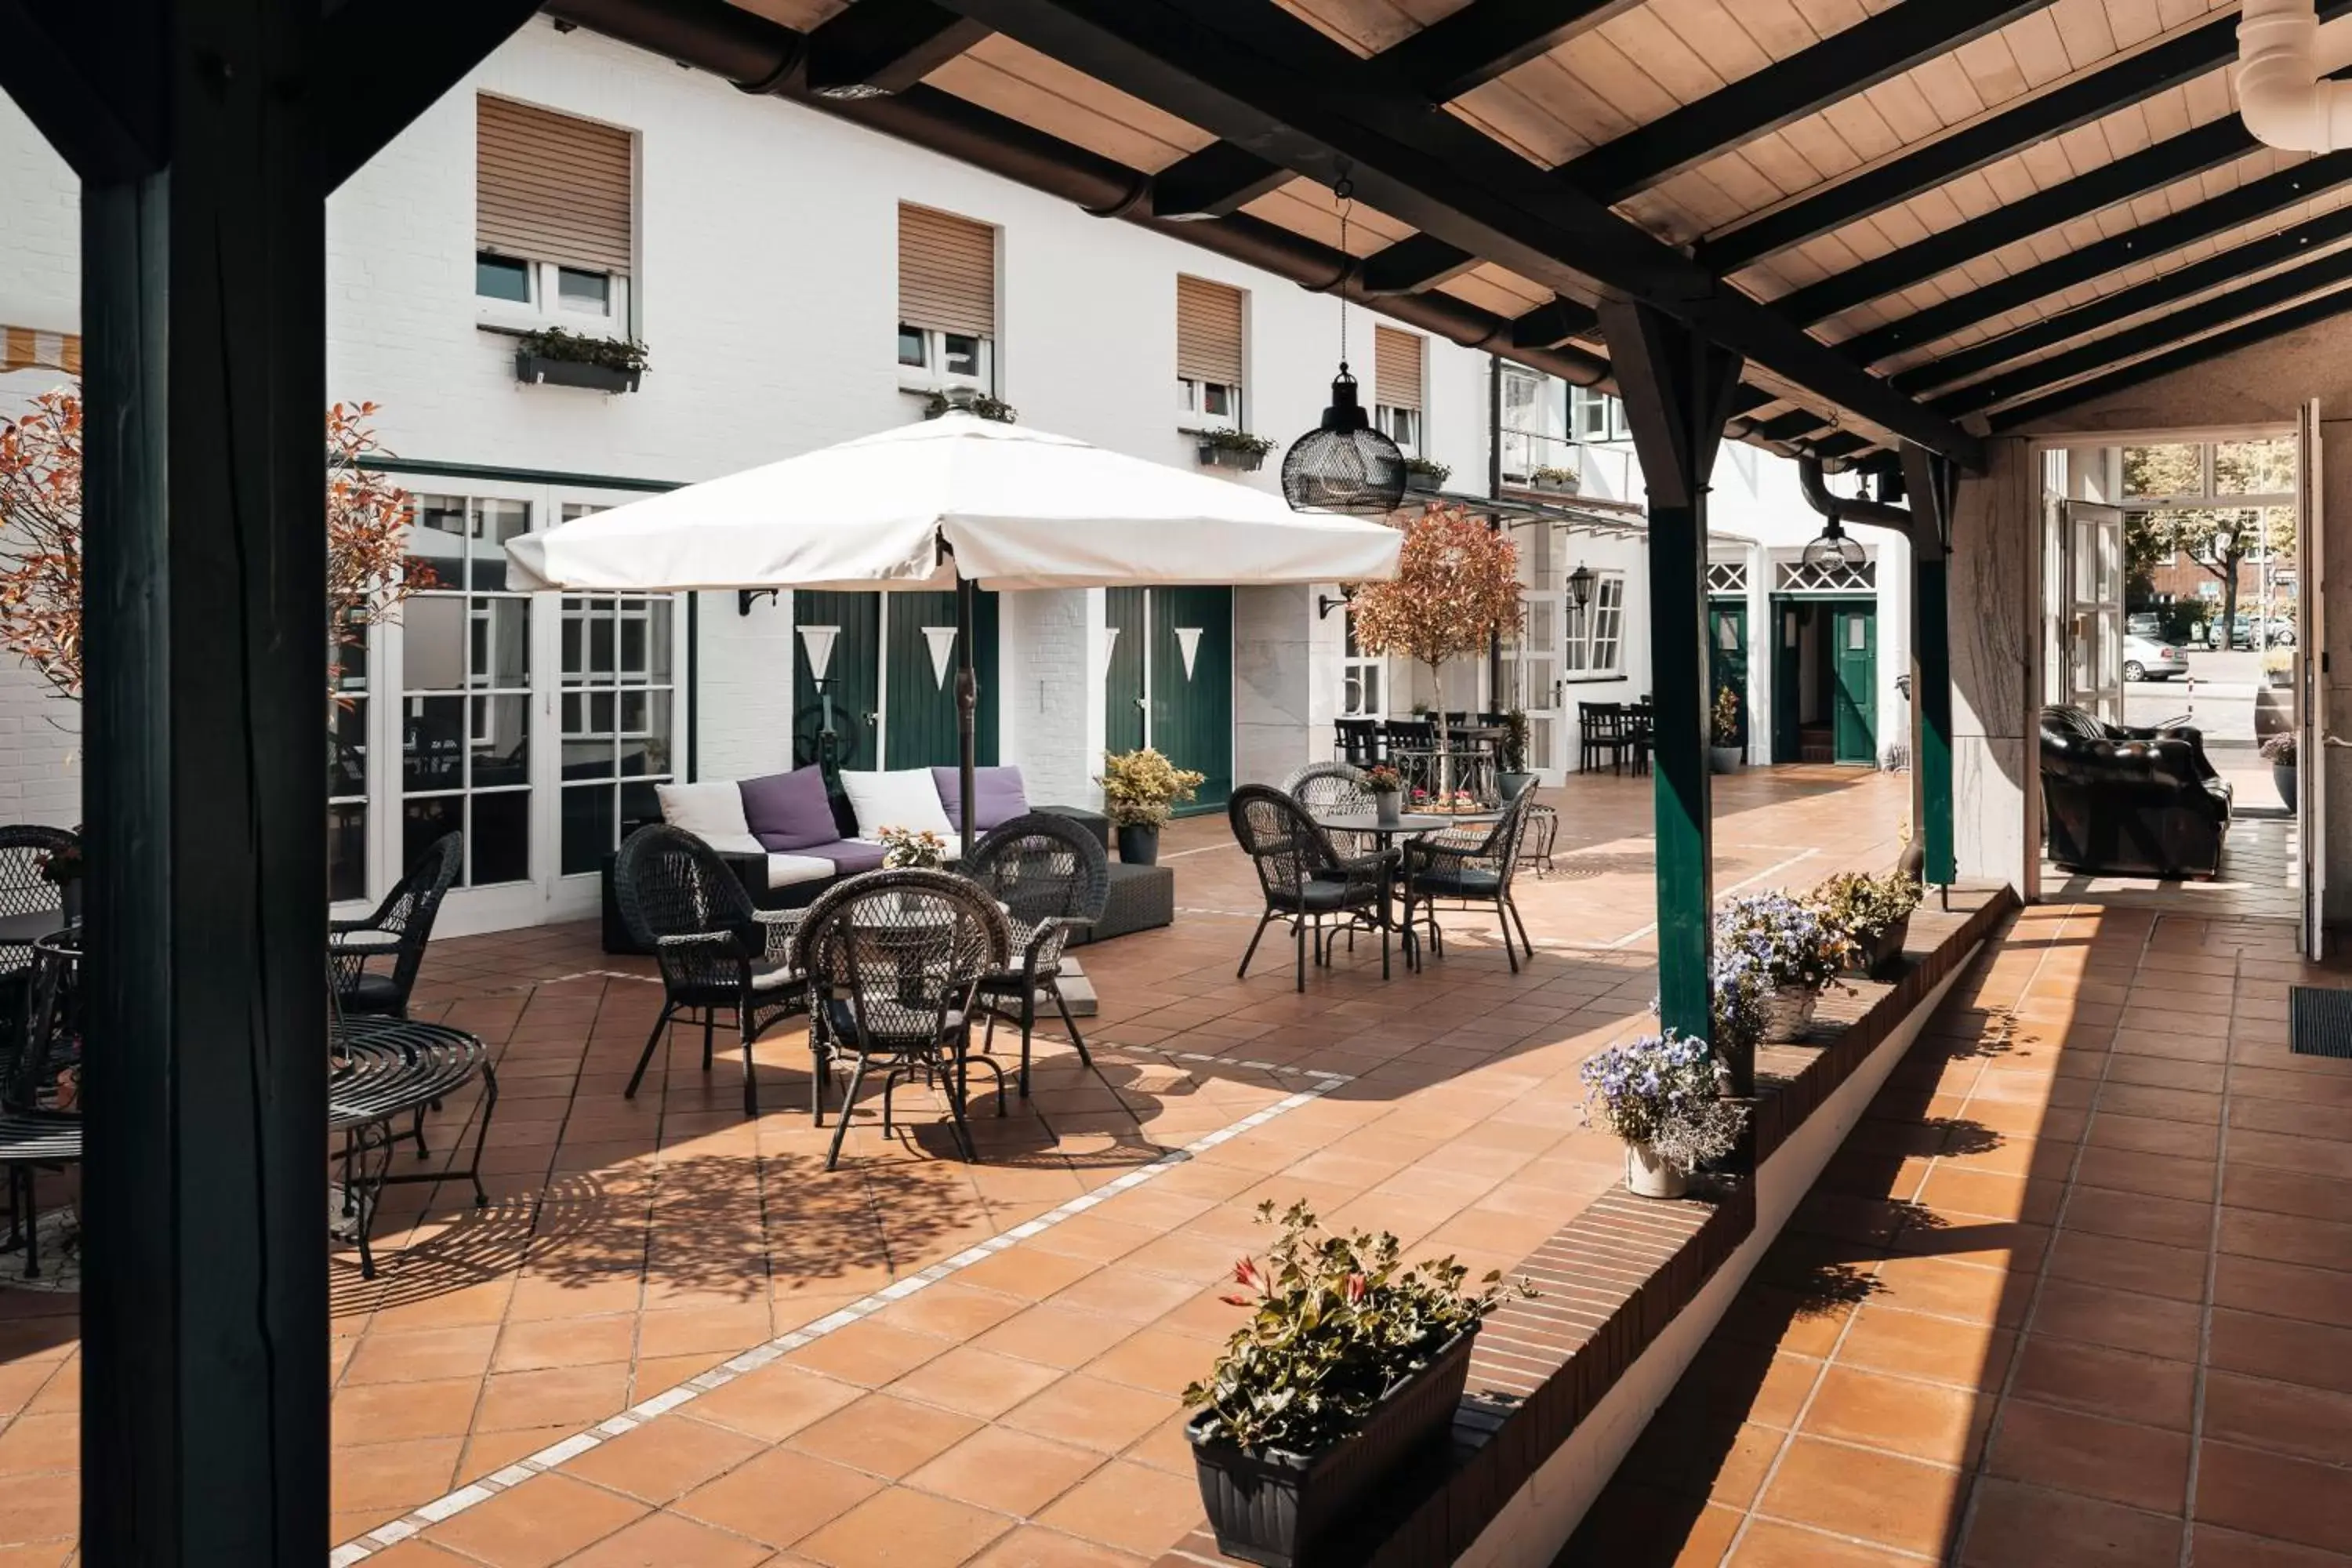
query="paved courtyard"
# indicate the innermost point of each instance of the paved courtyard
(674, 1337)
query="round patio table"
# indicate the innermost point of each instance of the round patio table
(1369, 823)
(379, 1069)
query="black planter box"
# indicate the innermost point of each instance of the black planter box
(1882, 954)
(1216, 457)
(1422, 484)
(1286, 1510)
(536, 369)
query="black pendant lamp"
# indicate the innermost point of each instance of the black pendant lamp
(1834, 549)
(1344, 464)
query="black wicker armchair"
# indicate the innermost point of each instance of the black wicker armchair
(1334, 789)
(1053, 879)
(398, 930)
(1469, 870)
(1304, 881)
(894, 961)
(717, 952)
(40, 1118)
(38, 867)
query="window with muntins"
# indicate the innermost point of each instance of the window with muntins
(1593, 635)
(553, 219)
(1597, 416)
(1208, 354)
(947, 301)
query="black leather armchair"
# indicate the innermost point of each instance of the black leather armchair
(2130, 802)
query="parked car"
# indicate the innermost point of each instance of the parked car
(2145, 658)
(2144, 623)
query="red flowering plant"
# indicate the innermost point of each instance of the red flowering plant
(1383, 779)
(1335, 1322)
(1458, 585)
(41, 545)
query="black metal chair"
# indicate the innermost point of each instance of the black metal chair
(1602, 732)
(894, 961)
(34, 903)
(398, 930)
(717, 952)
(40, 1118)
(1359, 741)
(1472, 871)
(1053, 880)
(1304, 881)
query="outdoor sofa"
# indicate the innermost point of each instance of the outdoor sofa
(2122, 800)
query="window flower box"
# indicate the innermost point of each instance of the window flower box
(557, 358)
(1235, 449)
(1426, 476)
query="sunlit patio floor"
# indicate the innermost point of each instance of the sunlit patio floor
(674, 1337)
(2075, 1293)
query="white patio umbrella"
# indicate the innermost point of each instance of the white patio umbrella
(955, 501)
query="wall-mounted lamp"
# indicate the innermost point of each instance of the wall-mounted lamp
(745, 597)
(1579, 585)
(1325, 604)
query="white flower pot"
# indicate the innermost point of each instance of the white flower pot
(1788, 1013)
(1649, 1174)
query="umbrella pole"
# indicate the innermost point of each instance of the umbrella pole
(967, 707)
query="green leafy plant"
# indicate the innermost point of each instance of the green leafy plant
(1139, 788)
(1722, 723)
(1515, 741)
(579, 348)
(1428, 469)
(1865, 907)
(963, 400)
(1240, 441)
(1557, 478)
(1337, 1322)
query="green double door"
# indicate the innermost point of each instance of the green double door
(1825, 675)
(892, 679)
(1727, 644)
(1171, 681)
(1854, 680)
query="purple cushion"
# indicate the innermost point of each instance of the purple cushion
(850, 858)
(997, 797)
(788, 812)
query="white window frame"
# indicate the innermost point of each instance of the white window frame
(1352, 667)
(1519, 456)
(545, 308)
(932, 374)
(1401, 426)
(1596, 418)
(1193, 404)
(1591, 630)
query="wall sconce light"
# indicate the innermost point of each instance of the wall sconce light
(1325, 604)
(1579, 585)
(745, 597)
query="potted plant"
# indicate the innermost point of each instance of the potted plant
(1426, 475)
(553, 357)
(1232, 450)
(1795, 949)
(1387, 785)
(1349, 1367)
(964, 400)
(1663, 1095)
(1512, 777)
(1139, 789)
(1723, 753)
(2278, 668)
(911, 849)
(1873, 913)
(1566, 481)
(2279, 750)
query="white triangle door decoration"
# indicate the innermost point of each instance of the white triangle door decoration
(1110, 644)
(942, 642)
(1188, 643)
(817, 643)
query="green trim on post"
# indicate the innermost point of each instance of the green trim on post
(1931, 708)
(1679, 684)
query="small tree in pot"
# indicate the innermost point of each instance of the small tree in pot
(1513, 777)
(1350, 1366)
(1724, 751)
(1140, 790)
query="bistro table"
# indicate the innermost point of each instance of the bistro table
(1369, 824)
(379, 1069)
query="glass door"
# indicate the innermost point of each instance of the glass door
(1531, 682)
(2095, 621)
(2311, 743)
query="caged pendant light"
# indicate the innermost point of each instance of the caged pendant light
(1344, 464)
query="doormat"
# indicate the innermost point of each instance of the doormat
(2319, 1021)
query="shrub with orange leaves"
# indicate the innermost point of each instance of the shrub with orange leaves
(1457, 583)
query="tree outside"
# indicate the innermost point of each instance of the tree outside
(2194, 483)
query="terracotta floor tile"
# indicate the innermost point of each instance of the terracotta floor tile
(2177, 1273)
(953, 1310)
(666, 1540)
(1770, 1544)
(1091, 1413)
(1948, 1290)
(904, 1529)
(2138, 1465)
(2015, 1525)
(2273, 1495)
(1878, 1498)
(2283, 1290)
(1032, 1546)
(779, 1497)
(536, 1345)
(1008, 1471)
(868, 1353)
(1920, 1421)
(2217, 1547)
(975, 1382)
(1163, 1362)
(883, 1435)
(2257, 1413)
(2121, 1320)
(2286, 1349)
(1968, 1355)
(775, 1401)
(664, 1459)
(416, 1355)
(539, 1522)
(2122, 1384)
(393, 1476)
(571, 1395)
(2141, 1216)
(1053, 1336)
(1129, 1507)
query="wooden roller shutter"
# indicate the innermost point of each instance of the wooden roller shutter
(1396, 368)
(551, 187)
(1208, 331)
(947, 273)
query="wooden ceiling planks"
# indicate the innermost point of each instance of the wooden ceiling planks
(1020, 83)
(799, 14)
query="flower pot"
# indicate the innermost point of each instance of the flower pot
(1557, 486)
(1725, 759)
(1296, 1511)
(1788, 1013)
(1879, 952)
(1138, 843)
(1388, 805)
(1215, 457)
(1420, 484)
(545, 371)
(1513, 785)
(2283, 776)
(1649, 1174)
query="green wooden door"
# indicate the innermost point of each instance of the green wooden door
(1788, 689)
(1123, 714)
(1854, 688)
(918, 724)
(1193, 685)
(851, 676)
(1727, 642)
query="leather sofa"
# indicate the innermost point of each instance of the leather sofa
(2121, 800)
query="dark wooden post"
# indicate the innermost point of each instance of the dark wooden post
(1677, 389)
(1933, 482)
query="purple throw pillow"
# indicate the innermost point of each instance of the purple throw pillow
(998, 796)
(851, 857)
(789, 811)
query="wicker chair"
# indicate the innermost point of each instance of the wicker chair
(40, 1125)
(1053, 878)
(894, 961)
(1472, 871)
(399, 928)
(1304, 881)
(1331, 789)
(27, 894)
(717, 952)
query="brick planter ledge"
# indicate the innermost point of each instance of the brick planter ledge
(1633, 1285)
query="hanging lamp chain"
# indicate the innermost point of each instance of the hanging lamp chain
(1346, 191)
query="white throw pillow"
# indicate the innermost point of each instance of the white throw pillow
(709, 811)
(903, 798)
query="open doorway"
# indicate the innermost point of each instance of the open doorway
(2173, 566)
(1825, 680)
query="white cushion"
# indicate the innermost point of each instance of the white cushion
(904, 798)
(784, 870)
(709, 811)
(732, 843)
